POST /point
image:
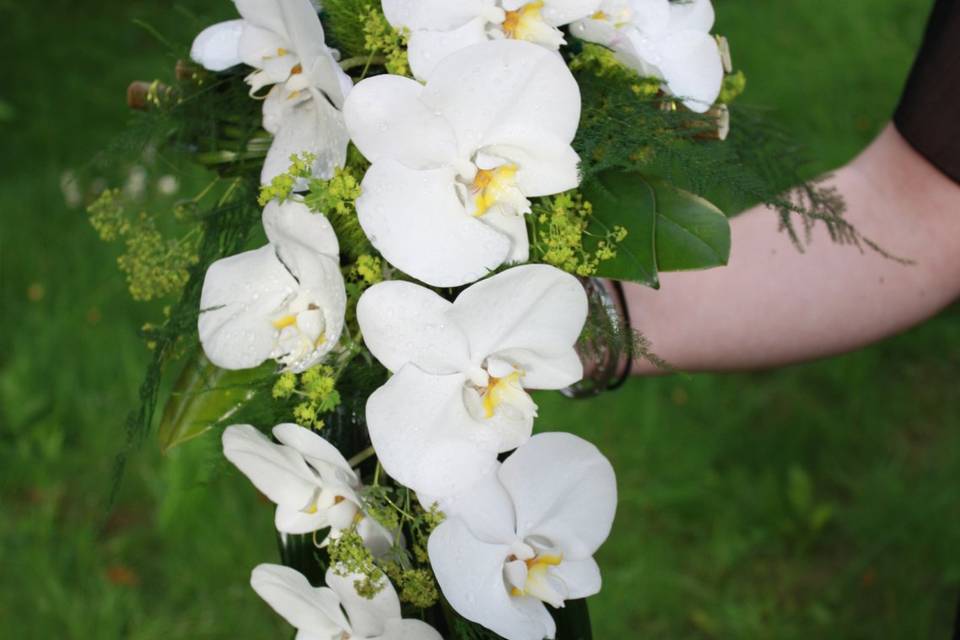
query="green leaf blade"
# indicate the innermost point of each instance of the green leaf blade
(691, 233)
(626, 200)
(203, 397)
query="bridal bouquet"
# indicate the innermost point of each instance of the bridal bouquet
(441, 185)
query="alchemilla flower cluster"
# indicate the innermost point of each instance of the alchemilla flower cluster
(455, 158)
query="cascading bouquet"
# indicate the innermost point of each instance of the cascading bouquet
(442, 184)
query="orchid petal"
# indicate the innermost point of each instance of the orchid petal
(402, 322)
(533, 307)
(546, 372)
(600, 31)
(386, 119)
(263, 13)
(511, 423)
(313, 610)
(697, 15)
(320, 454)
(501, 88)
(564, 490)
(693, 68)
(436, 15)
(535, 95)
(261, 48)
(375, 536)
(427, 49)
(470, 574)
(632, 55)
(545, 165)
(276, 471)
(424, 436)
(295, 521)
(291, 224)
(303, 26)
(409, 630)
(314, 126)
(322, 282)
(652, 17)
(513, 226)
(217, 47)
(277, 106)
(307, 246)
(239, 293)
(368, 616)
(486, 508)
(558, 13)
(581, 577)
(404, 211)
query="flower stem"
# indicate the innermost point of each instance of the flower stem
(361, 457)
(361, 61)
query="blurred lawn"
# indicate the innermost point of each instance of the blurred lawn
(819, 501)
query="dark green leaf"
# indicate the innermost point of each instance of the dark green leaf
(573, 621)
(204, 396)
(627, 200)
(668, 229)
(691, 233)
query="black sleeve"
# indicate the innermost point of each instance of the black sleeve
(929, 112)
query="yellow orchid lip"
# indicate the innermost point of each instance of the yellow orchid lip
(496, 389)
(536, 574)
(489, 186)
(283, 322)
(517, 23)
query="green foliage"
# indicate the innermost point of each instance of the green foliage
(416, 587)
(316, 393)
(349, 555)
(734, 85)
(573, 620)
(108, 217)
(808, 515)
(691, 233)
(367, 271)
(626, 127)
(559, 229)
(381, 38)
(156, 266)
(624, 123)
(205, 397)
(281, 186)
(359, 30)
(629, 203)
(407, 566)
(600, 62)
(668, 229)
(336, 198)
(343, 22)
(223, 231)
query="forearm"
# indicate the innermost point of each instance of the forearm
(773, 305)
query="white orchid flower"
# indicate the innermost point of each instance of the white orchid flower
(284, 301)
(439, 28)
(455, 162)
(663, 39)
(461, 370)
(308, 479)
(283, 41)
(525, 535)
(337, 611)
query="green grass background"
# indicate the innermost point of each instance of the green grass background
(818, 501)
